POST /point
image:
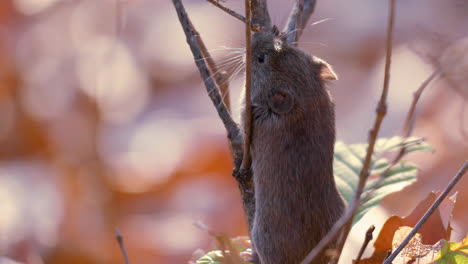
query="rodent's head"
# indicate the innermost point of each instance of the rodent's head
(284, 76)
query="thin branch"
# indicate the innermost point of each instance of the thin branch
(428, 213)
(381, 111)
(463, 131)
(221, 77)
(119, 238)
(211, 87)
(367, 239)
(248, 104)
(260, 16)
(345, 222)
(294, 24)
(243, 177)
(297, 21)
(227, 10)
(309, 8)
(410, 117)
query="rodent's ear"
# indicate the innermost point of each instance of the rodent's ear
(275, 31)
(278, 33)
(327, 73)
(325, 70)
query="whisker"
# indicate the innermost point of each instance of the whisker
(223, 96)
(320, 21)
(226, 65)
(230, 48)
(221, 68)
(231, 60)
(237, 63)
(311, 42)
(292, 31)
(228, 53)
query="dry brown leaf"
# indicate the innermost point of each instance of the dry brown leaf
(430, 233)
(415, 251)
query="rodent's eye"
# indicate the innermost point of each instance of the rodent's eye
(261, 58)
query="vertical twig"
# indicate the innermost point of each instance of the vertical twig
(381, 111)
(410, 117)
(367, 239)
(345, 222)
(248, 104)
(294, 25)
(260, 16)
(260, 19)
(221, 78)
(428, 213)
(463, 131)
(119, 238)
(297, 21)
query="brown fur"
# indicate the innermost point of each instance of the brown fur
(292, 151)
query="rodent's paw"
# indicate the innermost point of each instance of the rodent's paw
(281, 102)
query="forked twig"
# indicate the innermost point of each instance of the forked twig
(345, 222)
(260, 16)
(243, 177)
(367, 239)
(294, 24)
(428, 213)
(227, 10)
(119, 238)
(211, 87)
(248, 104)
(221, 78)
(297, 21)
(410, 117)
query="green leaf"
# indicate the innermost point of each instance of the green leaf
(213, 257)
(453, 253)
(237, 244)
(349, 160)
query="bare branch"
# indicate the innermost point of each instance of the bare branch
(367, 239)
(211, 87)
(345, 222)
(227, 10)
(297, 21)
(309, 8)
(260, 15)
(294, 24)
(463, 131)
(428, 213)
(381, 111)
(221, 77)
(248, 78)
(243, 177)
(410, 117)
(119, 238)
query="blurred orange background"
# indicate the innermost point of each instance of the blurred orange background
(105, 122)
